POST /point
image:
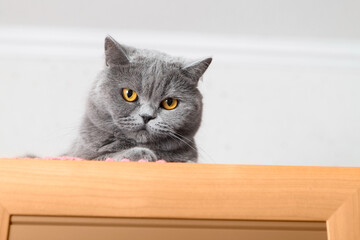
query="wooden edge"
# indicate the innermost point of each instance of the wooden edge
(345, 222)
(173, 223)
(4, 223)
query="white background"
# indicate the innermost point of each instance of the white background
(283, 87)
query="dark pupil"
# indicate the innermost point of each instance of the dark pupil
(169, 101)
(129, 93)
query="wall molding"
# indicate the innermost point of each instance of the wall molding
(31, 42)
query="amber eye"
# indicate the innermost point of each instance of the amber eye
(129, 95)
(169, 103)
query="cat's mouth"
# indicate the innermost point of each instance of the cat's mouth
(141, 133)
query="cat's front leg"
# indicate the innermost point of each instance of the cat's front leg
(134, 154)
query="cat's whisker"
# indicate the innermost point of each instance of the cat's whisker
(176, 137)
(202, 152)
(201, 149)
(185, 140)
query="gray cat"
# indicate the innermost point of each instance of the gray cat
(143, 105)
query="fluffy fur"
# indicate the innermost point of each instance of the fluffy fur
(113, 127)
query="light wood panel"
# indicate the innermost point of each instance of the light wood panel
(183, 191)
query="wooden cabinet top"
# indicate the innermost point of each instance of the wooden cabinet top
(181, 191)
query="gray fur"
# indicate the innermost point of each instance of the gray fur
(113, 127)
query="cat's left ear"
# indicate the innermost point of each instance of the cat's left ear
(196, 69)
(115, 54)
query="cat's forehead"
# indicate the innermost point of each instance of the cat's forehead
(154, 66)
(153, 76)
(158, 78)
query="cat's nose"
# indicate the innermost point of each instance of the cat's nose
(147, 118)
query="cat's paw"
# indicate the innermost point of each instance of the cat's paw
(135, 154)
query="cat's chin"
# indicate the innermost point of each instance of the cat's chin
(142, 136)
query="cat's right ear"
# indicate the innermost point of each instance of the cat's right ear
(115, 54)
(196, 69)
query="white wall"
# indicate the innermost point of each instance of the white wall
(273, 102)
(282, 89)
(265, 18)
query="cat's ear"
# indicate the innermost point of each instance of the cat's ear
(196, 69)
(115, 54)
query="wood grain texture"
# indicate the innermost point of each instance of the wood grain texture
(177, 190)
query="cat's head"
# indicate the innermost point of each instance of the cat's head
(148, 95)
